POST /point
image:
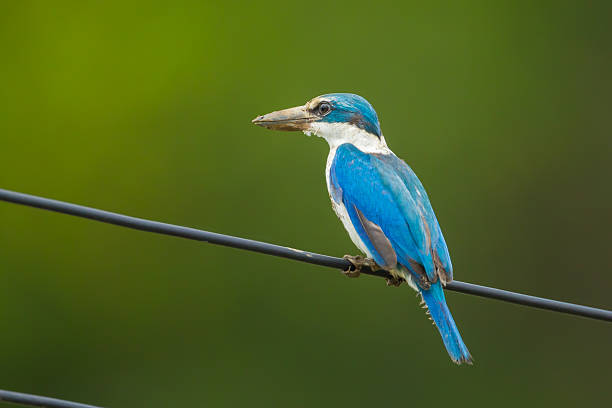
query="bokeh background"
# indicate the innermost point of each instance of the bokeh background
(502, 109)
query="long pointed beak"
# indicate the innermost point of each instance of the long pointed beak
(298, 118)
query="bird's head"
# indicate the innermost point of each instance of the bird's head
(338, 117)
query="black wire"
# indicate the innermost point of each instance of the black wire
(37, 401)
(285, 252)
(256, 246)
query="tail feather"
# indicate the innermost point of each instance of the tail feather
(438, 310)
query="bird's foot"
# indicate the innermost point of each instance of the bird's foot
(358, 262)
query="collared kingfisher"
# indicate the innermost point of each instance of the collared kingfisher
(380, 201)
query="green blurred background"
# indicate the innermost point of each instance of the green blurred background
(503, 110)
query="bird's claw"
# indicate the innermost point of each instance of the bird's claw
(358, 262)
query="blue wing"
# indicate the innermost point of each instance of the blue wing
(390, 211)
(381, 191)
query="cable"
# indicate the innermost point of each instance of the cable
(37, 401)
(286, 252)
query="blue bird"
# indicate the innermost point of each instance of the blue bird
(380, 201)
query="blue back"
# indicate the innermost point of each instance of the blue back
(388, 193)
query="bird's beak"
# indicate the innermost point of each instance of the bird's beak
(298, 118)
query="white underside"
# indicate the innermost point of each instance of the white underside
(341, 212)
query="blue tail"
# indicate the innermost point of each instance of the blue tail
(434, 298)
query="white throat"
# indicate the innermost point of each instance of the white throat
(337, 134)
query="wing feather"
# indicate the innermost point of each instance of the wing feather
(388, 206)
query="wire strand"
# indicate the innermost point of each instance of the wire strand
(38, 401)
(286, 252)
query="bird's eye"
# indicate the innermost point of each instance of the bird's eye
(324, 108)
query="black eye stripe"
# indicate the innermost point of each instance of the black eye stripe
(358, 120)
